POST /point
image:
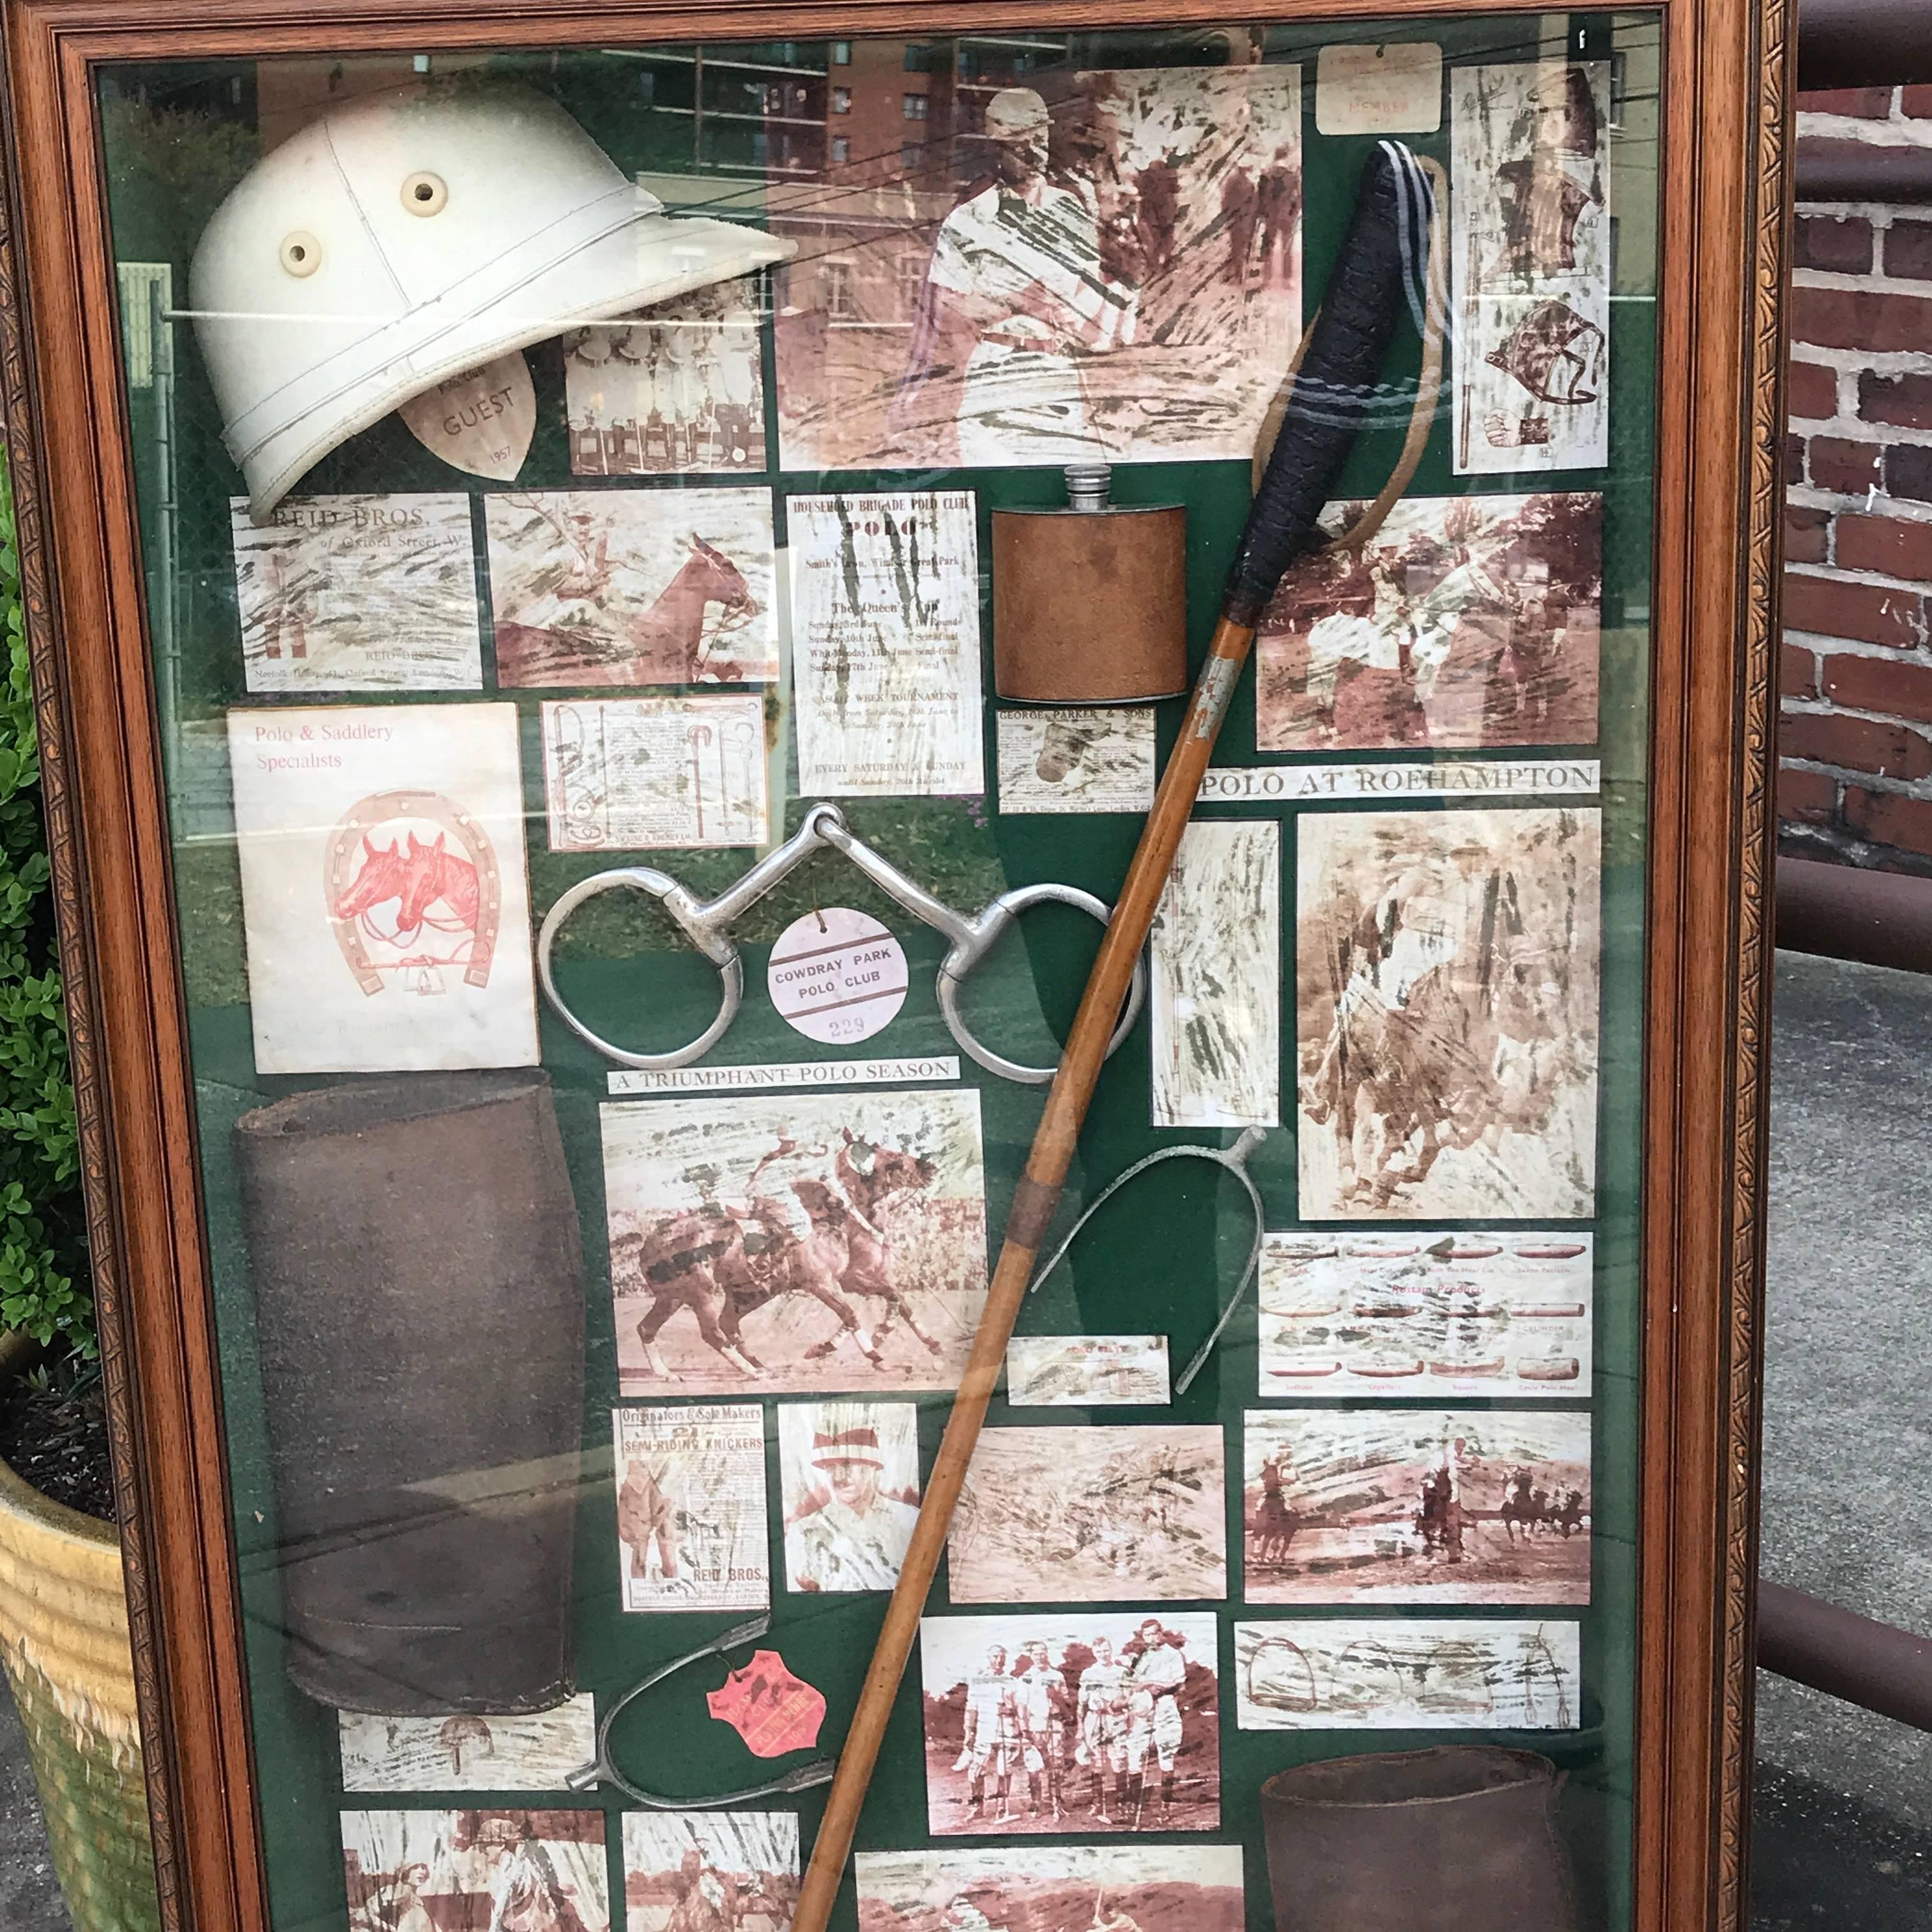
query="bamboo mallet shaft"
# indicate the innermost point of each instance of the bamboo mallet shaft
(1034, 1201)
(1343, 352)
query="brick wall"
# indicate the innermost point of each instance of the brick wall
(1855, 735)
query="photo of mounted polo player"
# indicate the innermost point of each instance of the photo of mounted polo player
(807, 1244)
(1465, 621)
(1447, 982)
(1416, 1506)
(631, 587)
(1113, 275)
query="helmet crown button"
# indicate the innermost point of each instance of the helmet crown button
(301, 252)
(425, 194)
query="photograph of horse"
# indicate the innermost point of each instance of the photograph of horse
(1446, 979)
(813, 1245)
(1465, 621)
(623, 588)
(1358, 1506)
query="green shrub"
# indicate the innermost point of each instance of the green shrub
(44, 1285)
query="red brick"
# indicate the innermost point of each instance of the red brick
(1905, 400)
(1886, 818)
(1861, 319)
(1908, 250)
(1850, 468)
(1797, 672)
(1908, 471)
(1805, 532)
(1809, 796)
(1893, 687)
(1865, 103)
(1888, 546)
(1916, 102)
(1812, 391)
(1841, 243)
(1855, 744)
(1794, 459)
(1871, 613)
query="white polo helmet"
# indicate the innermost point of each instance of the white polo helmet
(409, 235)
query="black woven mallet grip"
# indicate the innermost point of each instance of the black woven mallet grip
(1335, 387)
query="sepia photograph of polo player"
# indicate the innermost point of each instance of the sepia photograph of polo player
(807, 1244)
(1095, 266)
(1464, 621)
(1416, 1506)
(623, 588)
(1114, 1888)
(1447, 981)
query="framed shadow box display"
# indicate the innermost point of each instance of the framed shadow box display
(611, 592)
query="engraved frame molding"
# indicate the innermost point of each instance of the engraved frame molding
(1725, 220)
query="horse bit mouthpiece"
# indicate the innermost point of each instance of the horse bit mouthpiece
(709, 924)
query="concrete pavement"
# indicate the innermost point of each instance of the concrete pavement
(30, 1901)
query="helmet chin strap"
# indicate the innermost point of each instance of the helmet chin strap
(603, 1769)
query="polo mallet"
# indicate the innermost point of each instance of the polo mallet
(1336, 394)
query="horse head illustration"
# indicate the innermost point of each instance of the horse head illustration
(433, 873)
(720, 580)
(382, 876)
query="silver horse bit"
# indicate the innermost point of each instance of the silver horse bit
(708, 924)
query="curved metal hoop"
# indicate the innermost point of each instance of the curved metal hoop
(603, 1770)
(707, 924)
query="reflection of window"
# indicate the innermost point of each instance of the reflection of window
(842, 292)
(842, 53)
(910, 269)
(842, 100)
(913, 107)
(918, 57)
(647, 86)
(842, 147)
(912, 156)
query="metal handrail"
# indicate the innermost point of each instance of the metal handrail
(1856, 1659)
(1846, 912)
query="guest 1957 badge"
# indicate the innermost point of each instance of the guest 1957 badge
(837, 976)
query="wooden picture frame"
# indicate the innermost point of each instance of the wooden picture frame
(1724, 216)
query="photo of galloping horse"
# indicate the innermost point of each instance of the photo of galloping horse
(725, 1260)
(621, 588)
(836, 1247)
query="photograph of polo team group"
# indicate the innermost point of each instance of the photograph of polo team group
(1054, 1722)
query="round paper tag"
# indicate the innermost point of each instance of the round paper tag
(837, 976)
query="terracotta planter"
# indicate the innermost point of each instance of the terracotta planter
(63, 1640)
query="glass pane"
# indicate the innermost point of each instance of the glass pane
(570, 479)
